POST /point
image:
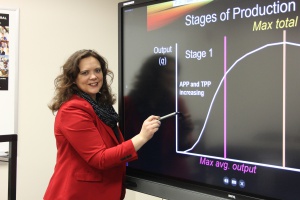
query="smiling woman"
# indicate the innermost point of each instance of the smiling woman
(90, 77)
(79, 65)
(91, 151)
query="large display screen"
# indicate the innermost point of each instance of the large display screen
(231, 69)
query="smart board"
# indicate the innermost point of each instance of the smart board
(231, 67)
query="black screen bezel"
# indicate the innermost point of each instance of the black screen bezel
(155, 184)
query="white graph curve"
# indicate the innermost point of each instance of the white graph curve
(222, 80)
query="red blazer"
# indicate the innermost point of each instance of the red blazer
(90, 161)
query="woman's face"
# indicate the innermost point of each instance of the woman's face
(90, 76)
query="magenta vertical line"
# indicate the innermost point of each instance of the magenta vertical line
(284, 100)
(225, 92)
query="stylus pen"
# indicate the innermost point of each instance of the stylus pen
(169, 115)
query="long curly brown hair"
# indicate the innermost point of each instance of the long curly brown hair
(64, 83)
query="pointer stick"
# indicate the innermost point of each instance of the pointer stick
(169, 115)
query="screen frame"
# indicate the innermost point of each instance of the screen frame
(156, 185)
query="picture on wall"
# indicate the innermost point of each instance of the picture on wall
(4, 51)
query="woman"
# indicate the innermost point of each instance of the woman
(91, 151)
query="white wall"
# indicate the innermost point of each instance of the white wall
(3, 180)
(49, 32)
